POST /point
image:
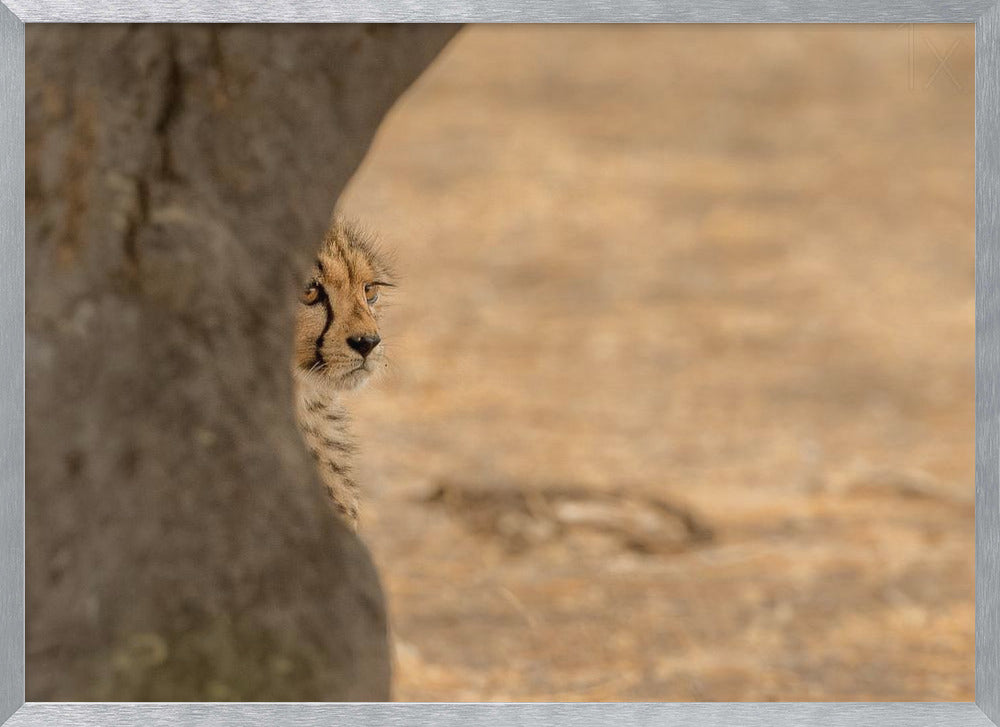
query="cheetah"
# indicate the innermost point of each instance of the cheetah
(337, 349)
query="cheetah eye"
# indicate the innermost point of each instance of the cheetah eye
(371, 293)
(313, 294)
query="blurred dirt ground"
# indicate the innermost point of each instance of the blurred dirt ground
(681, 404)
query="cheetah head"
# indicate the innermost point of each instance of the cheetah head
(337, 337)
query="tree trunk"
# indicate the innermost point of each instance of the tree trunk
(178, 181)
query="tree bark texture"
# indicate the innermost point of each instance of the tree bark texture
(179, 179)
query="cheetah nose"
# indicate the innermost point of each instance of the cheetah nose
(364, 344)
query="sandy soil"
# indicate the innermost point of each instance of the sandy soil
(681, 405)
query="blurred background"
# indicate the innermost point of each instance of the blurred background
(681, 395)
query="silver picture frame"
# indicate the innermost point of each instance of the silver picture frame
(15, 712)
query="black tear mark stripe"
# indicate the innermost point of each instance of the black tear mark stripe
(328, 306)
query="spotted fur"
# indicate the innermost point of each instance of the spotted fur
(337, 307)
